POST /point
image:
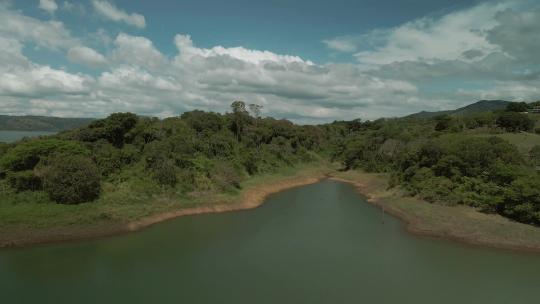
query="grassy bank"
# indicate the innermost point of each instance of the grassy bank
(125, 209)
(128, 207)
(459, 223)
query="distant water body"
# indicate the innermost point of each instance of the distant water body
(320, 243)
(11, 136)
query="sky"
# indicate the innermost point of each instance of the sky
(309, 61)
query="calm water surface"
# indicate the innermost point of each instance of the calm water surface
(316, 244)
(11, 136)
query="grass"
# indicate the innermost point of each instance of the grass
(523, 141)
(459, 222)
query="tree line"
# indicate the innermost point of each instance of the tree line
(445, 160)
(453, 159)
(197, 151)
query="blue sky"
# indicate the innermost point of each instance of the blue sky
(309, 61)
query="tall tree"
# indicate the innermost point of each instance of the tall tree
(240, 118)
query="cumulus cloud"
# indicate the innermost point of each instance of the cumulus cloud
(48, 5)
(485, 51)
(188, 50)
(429, 39)
(111, 12)
(23, 78)
(137, 50)
(342, 44)
(47, 34)
(518, 34)
(286, 85)
(86, 56)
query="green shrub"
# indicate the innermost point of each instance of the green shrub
(250, 163)
(110, 159)
(71, 179)
(517, 107)
(444, 122)
(26, 155)
(515, 122)
(522, 199)
(226, 176)
(113, 128)
(437, 189)
(3, 148)
(164, 172)
(24, 181)
(534, 155)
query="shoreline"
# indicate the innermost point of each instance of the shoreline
(378, 195)
(372, 186)
(250, 198)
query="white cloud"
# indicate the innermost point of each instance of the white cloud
(288, 86)
(86, 56)
(47, 34)
(430, 39)
(41, 80)
(21, 77)
(137, 50)
(137, 79)
(48, 5)
(341, 44)
(109, 11)
(186, 48)
(518, 34)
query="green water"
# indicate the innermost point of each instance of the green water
(12, 136)
(316, 244)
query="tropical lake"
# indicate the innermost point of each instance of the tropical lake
(12, 136)
(321, 243)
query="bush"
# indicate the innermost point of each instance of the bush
(537, 130)
(110, 159)
(26, 155)
(522, 199)
(113, 128)
(71, 179)
(3, 148)
(517, 107)
(515, 122)
(226, 176)
(534, 155)
(443, 122)
(164, 172)
(24, 181)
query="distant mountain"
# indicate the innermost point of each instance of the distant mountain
(41, 123)
(477, 107)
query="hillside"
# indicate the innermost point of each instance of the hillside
(477, 107)
(41, 123)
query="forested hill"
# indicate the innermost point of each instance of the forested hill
(477, 107)
(41, 123)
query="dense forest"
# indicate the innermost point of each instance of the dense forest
(472, 159)
(196, 152)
